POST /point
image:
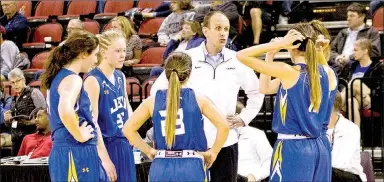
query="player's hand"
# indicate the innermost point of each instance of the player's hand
(235, 121)
(274, 52)
(321, 43)
(86, 132)
(209, 157)
(152, 153)
(110, 169)
(290, 38)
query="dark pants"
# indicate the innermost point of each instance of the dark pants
(339, 175)
(224, 169)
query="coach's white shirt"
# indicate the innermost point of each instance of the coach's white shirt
(255, 153)
(346, 147)
(221, 85)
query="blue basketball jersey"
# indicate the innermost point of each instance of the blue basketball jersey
(82, 108)
(113, 112)
(189, 134)
(293, 113)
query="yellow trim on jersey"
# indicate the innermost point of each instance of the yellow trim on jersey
(205, 173)
(72, 175)
(283, 107)
(277, 156)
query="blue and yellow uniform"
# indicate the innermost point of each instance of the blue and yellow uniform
(69, 159)
(302, 151)
(113, 114)
(181, 162)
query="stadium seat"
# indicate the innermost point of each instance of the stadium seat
(37, 84)
(111, 8)
(146, 87)
(377, 20)
(47, 8)
(53, 30)
(108, 26)
(92, 26)
(133, 89)
(150, 27)
(77, 8)
(39, 60)
(149, 4)
(27, 5)
(151, 57)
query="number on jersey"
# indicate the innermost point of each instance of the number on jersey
(179, 122)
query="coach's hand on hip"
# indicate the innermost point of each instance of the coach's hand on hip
(235, 121)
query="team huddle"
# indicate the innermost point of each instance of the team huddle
(94, 128)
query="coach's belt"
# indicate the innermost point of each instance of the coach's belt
(178, 154)
(292, 136)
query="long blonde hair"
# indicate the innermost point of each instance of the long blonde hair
(321, 30)
(312, 61)
(106, 39)
(178, 67)
(127, 29)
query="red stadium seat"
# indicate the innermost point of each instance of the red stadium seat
(27, 5)
(378, 20)
(146, 87)
(77, 8)
(53, 30)
(108, 26)
(39, 60)
(149, 4)
(92, 26)
(47, 8)
(150, 27)
(133, 89)
(111, 8)
(151, 57)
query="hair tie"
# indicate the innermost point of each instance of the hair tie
(174, 70)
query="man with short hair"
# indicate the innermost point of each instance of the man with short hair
(38, 144)
(344, 137)
(342, 46)
(15, 23)
(218, 75)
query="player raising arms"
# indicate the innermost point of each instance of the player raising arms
(74, 154)
(178, 127)
(304, 93)
(106, 88)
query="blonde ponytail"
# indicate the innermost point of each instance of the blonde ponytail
(312, 60)
(173, 104)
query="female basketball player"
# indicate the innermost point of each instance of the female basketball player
(178, 127)
(74, 154)
(304, 93)
(105, 86)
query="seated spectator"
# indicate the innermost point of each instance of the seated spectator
(344, 137)
(171, 26)
(134, 44)
(73, 26)
(163, 10)
(5, 98)
(364, 67)
(228, 8)
(189, 37)
(10, 57)
(342, 45)
(15, 23)
(5, 105)
(375, 5)
(24, 106)
(255, 155)
(38, 144)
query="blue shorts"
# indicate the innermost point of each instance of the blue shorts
(301, 160)
(120, 152)
(178, 169)
(76, 162)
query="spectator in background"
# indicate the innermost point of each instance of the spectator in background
(228, 8)
(23, 108)
(5, 105)
(375, 5)
(161, 11)
(342, 45)
(5, 98)
(364, 67)
(344, 137)
(189, 37)
(73, 26)
(134, 44)
(171, 26)
(10, 57)
(15, 23)
(38, 144)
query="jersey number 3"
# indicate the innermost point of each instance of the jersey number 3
(179, 122)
